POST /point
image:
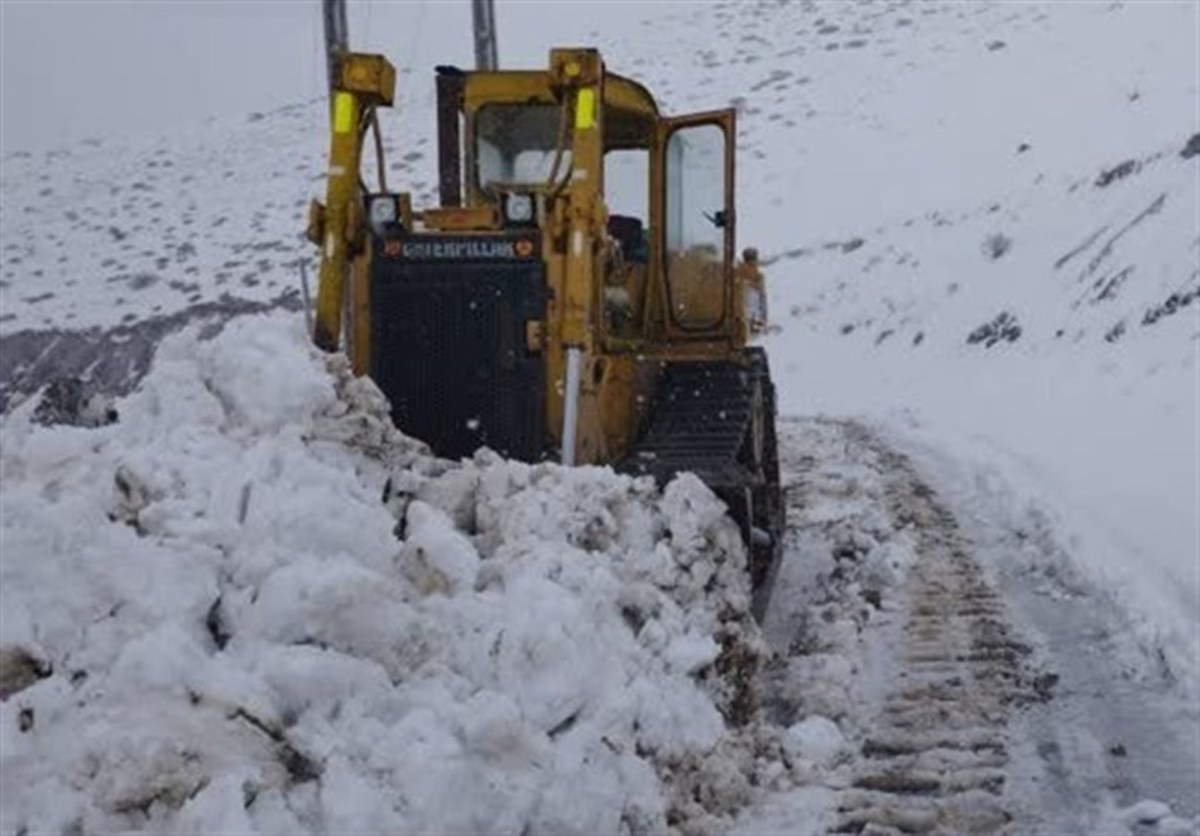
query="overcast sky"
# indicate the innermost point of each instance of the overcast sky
(70, 70)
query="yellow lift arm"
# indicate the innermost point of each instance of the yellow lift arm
(363, 83)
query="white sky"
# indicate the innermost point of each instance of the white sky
(120, 68)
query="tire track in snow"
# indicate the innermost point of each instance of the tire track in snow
(936, 756)
(934, 759)
(940, 670)
(918, 639)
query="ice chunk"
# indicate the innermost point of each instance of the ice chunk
(819, 740)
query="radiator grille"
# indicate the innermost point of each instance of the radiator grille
(448, 342)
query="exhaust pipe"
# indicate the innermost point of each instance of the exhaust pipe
(484, 23)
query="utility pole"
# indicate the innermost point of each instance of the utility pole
(484, 19)
(337, 37)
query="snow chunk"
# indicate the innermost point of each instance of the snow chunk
(1148, 811)
(436, 558)
(819, 740)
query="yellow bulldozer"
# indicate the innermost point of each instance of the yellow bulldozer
(576, 294)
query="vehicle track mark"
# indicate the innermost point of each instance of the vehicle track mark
(935, 757)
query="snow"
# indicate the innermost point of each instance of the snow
(979, 234)
(833, 651)
(235, 632)
(882, 147)
(1096, 723)
(818, 739)
(1147, 812)
(1157, 815)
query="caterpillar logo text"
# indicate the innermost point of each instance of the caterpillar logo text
(441, 248)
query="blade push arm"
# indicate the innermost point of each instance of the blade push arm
(364, 83)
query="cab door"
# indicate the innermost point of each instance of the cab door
(697, 223)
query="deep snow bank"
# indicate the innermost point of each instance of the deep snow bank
(252, 605)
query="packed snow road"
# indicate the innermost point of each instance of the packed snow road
(946, 671)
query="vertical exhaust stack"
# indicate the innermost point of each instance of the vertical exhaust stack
(450, 82)
(483, 16)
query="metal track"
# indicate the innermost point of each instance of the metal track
(699, 421)
(716, 419)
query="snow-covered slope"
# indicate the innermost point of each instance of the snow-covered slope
(100, 234)
(1009, 270)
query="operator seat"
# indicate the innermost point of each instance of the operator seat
(631, 235)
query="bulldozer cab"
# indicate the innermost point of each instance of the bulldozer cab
(528, 148)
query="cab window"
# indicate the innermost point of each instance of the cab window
(627, 196)
(517, 144)
(695, 224)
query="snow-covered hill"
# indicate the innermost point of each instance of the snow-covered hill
(981, 224)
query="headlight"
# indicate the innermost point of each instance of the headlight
(382, 210)
(518, 208)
